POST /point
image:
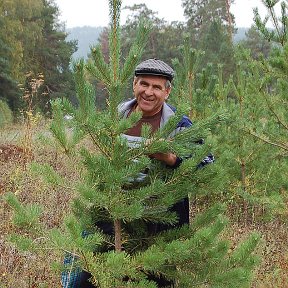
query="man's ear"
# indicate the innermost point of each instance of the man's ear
(134, 83)
(168, 90)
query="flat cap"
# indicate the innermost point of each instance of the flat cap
(155, 67)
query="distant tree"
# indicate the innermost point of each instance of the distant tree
(37, 45)
(201, 13)
(164, 39)
(255, 42)
(8, 86)
(12, 50)
(21, 31)
(53, 56)
(218, 48)
(210, 23)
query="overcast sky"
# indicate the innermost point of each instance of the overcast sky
(96, 12)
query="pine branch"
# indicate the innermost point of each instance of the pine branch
(136, 51)
(280, 121)
(96, 143)
(279, 145)
(99, 69)
(27, 216)
(274, 19)
(114, 39)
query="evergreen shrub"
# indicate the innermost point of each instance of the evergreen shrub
(6, 116)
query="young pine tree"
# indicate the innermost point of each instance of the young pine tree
(275, 70)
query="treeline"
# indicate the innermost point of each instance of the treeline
(34, 44)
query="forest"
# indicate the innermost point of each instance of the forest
(65, 167)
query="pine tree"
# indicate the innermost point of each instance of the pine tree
(201, 13)
(259, 47)
(192, 255)
(8, 85)
(255, 187)
(164, 37)
(211, 25)
(243, 156)
(36, 44)
(275, 81)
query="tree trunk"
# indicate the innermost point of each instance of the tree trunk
(229, 20)
(117, 230)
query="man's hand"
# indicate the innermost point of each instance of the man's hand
(168, 158)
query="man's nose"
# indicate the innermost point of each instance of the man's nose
(149, 90)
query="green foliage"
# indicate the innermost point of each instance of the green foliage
(9, 91)
(36, 44)
(23, 243)
(48, 174)
(26, 216)
(279, 33)
(243, 97)
(259, 47)
(275, 81)
(257, 183)
(67, 139)
(6, 116)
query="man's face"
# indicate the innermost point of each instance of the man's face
(150, 93)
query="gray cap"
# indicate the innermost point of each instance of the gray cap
(155, 67)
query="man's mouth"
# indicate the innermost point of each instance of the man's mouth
(147, 99)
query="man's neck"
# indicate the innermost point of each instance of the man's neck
(145, 114)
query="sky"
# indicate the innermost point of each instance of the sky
(96, 12)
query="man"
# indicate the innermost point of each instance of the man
(151, 87)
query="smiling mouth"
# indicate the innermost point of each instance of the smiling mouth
(148, 100)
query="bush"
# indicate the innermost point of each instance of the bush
(6, 116)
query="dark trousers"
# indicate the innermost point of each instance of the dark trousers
(161, 282)
(182, 210)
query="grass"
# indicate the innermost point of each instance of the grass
(18, 269)
(22, 269)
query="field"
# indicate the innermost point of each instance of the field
(22, 269)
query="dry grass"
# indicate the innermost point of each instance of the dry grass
(27, 269)
(33, 270)
(273, 251)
